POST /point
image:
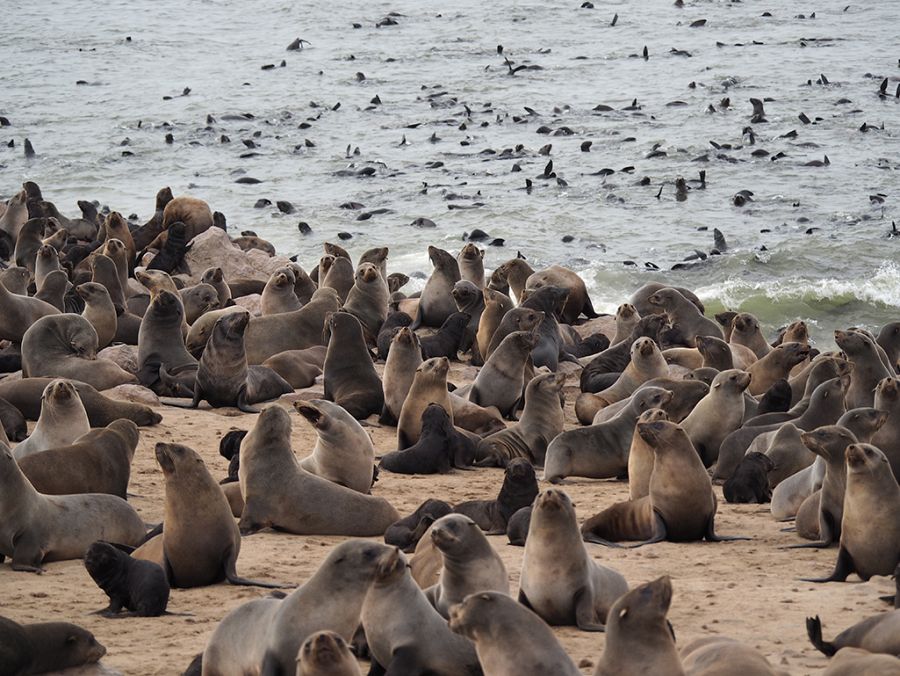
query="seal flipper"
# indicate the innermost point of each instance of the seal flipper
(842, 568)
(242, 403)
(597, 540)
(588, 309)
(233, 578)
(659, 532)
(523, 599)
(814, 631)
(711, 536)
(375, 669)
(387, 418)
(585, 618)
(27, 555)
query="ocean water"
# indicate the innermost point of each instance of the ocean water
(814, 242)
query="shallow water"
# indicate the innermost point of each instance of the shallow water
(437, 70)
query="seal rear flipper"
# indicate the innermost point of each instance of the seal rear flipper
(233, 578)
(842, 568)
(659, 532)
(711, 536)
(597, 540)
(242, 403)
(387, 418)
(585, 617)
(588, 308)
(814, 631)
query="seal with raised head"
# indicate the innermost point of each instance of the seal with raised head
(868, 368)
(46, 647)
(215, 277)
(519, 490)
(510, 640)
(264, 635)
(684, 315)
(62, 420)
(403, 359)
(775, 365)
(470, 563)
(516, 319)
(18, 313)
(469, 299)
(718, 414)
(541, 421)
(343, 452)
(496, 305)
(38, 528)
(99, 461)
(407, 532)
(271, 478)
(639, 638)
(326, 653)
(745, 331)
(640, 457)
(417, 640)
(429, 386)
(368, 299)
(551, 348)
(164, 364)
(560, 581)
(440, 447)
(436, 302)
(137, 586)
(279, 296)
(471, 264)
(350, 377)
(501, 381)
(99, 311)
(200, 542)
(66, 346)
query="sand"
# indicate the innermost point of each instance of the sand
(749, 590)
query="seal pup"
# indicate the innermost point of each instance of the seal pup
(448, 339)
(215, 277)
(519, 490)
(62, 420)
(745, 331)
(99, 311)
(46, 647)
(368, 299)
(19, 313)
(429, 386)
(470, 563)
(750, 482)
(264, 635)
(403, 359)
(471, 264)
(42, 528)
(601, 451)
(99, 461)
(350, 377)
(681, 505)
(416, 640)
(718, 414)
(343, 453)
(225, 379)
(392, 324)
(559, 580)
(271, 478)
(161, 348)
(639, 638)
(66, 346)
(501, 381)
(878, 634)
(279, 296)
(200, 542)
(326, 653)
(407, 532)
(510, 640)
(541, 421)
(870, 532)
(139, 587)
(440, 447)
(551, 348)
(436, 302)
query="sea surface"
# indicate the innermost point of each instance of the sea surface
(408, 108)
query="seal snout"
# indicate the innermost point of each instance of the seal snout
(856, 455)
(651, 431)
(164, 456)
(309, 411)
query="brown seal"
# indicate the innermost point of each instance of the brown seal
(98, 462)
(99, 311)
(18, 313)
(350, 379)
(639, 638)
(299, 367)
(429, 386)
(496, 305)
(718, 414)
(745, 331)
(577, 302)
(640, 457)
(720, 654)
(560, 581)
(878, 634)
(509, 638)
(270, 479)
(162, 356)
(501, 381)
(279, 296)
(684, 316)
(62, 420)
(139, 587)
(519, 490)
(436, 302)
(198, 300)
(868, 368)
(46, 647)
(627, 318)
(403, 359)
(38, 528)
(325, 653)
(516, 319)
(639, 299)
(368, 299)
(200, 541)
(199, 332)
(215, 277)
(471, 264)
(775, 365)
(339, 277)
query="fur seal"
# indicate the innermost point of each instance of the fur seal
(639, 638)
(516, 319)
(519, 490)
(470, 564)
(878, 634)
(25, 395)
(271, 478)
(868, 368)
(870, 533)
(200, 542)
(368, 299)
(392, 324)
(199, 332)
(66, 346)
(19, 313)
(137, 586)
(403, 359)
(510, 640)
(12, 422)
(681, 505)
(350, 377)
(279, 296)
(542, 421)
(224, 377)
(559, 580)
(326, 653)
(448, 339)
(407, 532)
(577, 302)
(198, 300)
(887, 398)
(496, 305)
(46, 647)
(627, 318)
(750, 482)
(471, 264)
(745, 331)
(640, 457)
(469, 299)
(97, 462)
(193, 212)
(299, 368)
(775, 365)
(417, 640)
(436, 302)
(343, 453)
(603, 369)
(215, 277)
(601, 451)
(161, 348)
(38, 528)
(62, 420)
(265, 635)
(720, 654)
(501, 381)
(53, 289)
(684, 315)
(429, 386)
(639, 299)
(339, 277)
(718, 414)
(512, 275)
(856, 662)
(550, 349)
(440, 447)
(99, 311)
(267, 336)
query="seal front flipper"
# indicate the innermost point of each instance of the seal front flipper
(27, 555)
(585, 618)
(710, 535)
(597, 540)
(387, 418)
(814, 631)
(842, 568)
(233, 578)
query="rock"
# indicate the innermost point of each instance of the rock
(123, 356)
(134, 393)
(214, 248)
(253, 303)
